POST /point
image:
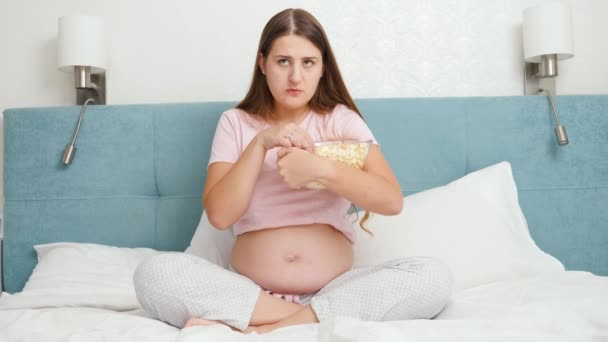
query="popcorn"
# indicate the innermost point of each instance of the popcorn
(350, 152)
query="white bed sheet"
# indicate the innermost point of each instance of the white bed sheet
(563, 306)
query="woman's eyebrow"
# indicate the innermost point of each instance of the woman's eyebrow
(290, 57)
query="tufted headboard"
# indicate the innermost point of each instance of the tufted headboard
(138, 173)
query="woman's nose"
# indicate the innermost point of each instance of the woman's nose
(295, 75)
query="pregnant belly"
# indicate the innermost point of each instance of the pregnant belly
(292, 260)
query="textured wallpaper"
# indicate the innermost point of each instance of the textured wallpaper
(427, 48)
(192, 50)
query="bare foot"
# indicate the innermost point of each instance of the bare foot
(194, 321)
(304, 316)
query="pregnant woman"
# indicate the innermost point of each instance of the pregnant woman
(292, 261)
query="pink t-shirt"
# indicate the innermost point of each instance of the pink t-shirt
(274, 204)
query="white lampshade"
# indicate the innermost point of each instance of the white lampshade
(82, 42)
(547, 30)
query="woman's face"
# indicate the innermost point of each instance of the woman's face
(293, 68)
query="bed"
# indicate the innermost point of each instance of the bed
(521, 221)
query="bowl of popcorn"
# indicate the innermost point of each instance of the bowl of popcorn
(350, 152)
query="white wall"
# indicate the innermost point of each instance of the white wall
(199, 50)
(193, 50)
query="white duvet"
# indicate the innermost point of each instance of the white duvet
(563, 306)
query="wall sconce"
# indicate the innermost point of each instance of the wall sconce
(82, 50)
(547, 35)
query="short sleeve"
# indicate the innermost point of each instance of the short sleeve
(225, 143)
(355, 128)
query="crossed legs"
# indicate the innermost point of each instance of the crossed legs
(184, 290)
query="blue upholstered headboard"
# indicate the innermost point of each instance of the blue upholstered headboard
(139, 171)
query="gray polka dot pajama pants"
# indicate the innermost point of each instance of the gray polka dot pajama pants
(175, 287)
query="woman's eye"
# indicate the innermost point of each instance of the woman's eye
(309, 62)
(283, 61)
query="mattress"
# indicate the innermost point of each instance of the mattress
(558, 306)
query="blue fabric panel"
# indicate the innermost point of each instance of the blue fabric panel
(422, 139)
(113, 156)
(176, 221)
(124, 222)
(570, 224)
(520, 130)
(183, 143)
(184, 133)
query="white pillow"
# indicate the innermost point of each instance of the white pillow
(211, 244)
(81, 274)
(474, 224)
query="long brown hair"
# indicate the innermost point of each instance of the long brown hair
(331, 90)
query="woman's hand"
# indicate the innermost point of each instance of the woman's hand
(299, 167)
(287, 135)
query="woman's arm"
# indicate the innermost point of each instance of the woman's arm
(229, 187)
(374, 188)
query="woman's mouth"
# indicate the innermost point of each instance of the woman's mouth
(294, 92)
